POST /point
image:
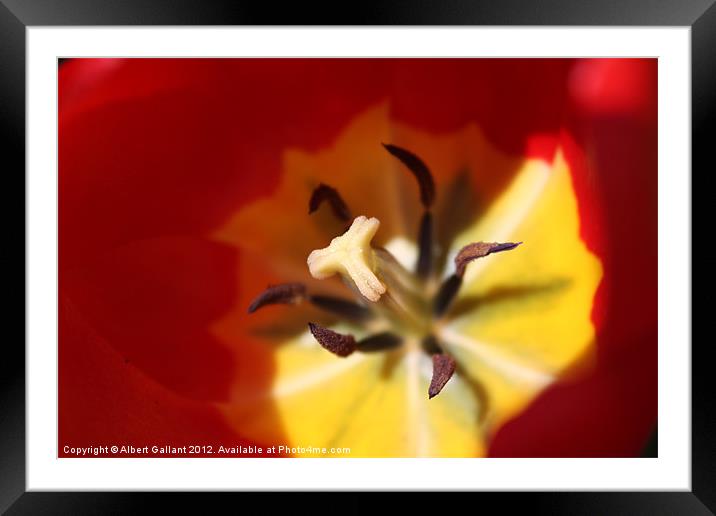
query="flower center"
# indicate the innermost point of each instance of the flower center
(409, 304)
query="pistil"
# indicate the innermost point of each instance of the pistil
(352, 256)
(375, 274)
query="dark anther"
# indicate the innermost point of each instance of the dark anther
(379, 342)
(425, 246)
(326, 193)
(477, 250)
(446, 294)
(285, 293)
(336, 343)
(443, 369)
(342, 307)
(450, 287)
(419, 170)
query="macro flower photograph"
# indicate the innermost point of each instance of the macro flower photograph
(357, 258)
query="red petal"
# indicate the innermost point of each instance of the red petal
(153, 301)
(510, 99)
(150, 148)
(610, 410)
(104, 400)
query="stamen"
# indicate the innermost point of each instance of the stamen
(425, 246)
(443, 369)
(478, 250)
(446, 294)
(427, 197)
(430, 345)
(351, 255)
(295, 293)
(419, 170)
(285, 293)
(336, 343)
(451, 286)
(379, 342)
(341, 307)
(324, 193)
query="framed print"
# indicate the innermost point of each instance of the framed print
(405, 255)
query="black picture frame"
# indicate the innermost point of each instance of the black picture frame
(17, 15)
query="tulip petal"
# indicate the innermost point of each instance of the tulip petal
(523, 318)
(520, 200)
(374, 404)
(91, 404)
(359, 169)
(155, 149)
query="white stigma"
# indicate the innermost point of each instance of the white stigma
(352, 256)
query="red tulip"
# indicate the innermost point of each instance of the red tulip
(184, 190)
